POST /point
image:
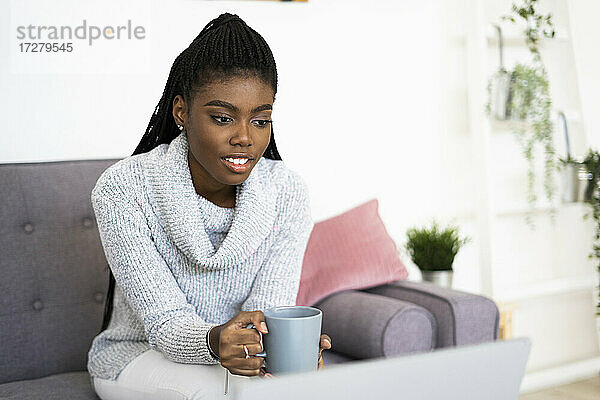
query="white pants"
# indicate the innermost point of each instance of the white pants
(150, 376)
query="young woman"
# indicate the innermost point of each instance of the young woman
(203, 227)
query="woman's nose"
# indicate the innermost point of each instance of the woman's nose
(242, 136)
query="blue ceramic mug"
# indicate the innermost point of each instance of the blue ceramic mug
(292, 344)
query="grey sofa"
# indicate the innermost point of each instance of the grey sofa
(55, 277)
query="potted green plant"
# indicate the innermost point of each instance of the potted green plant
(580, 176)
(576, 180)
(433, 251)
(592, 175)
(590, 194)
(528, 100)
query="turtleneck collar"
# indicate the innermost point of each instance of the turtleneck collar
(177, 203)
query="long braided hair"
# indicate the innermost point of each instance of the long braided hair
(226, 47)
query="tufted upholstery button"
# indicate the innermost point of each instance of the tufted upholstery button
(38, 305)
(87, 222)
(99, 297)
(28, 227)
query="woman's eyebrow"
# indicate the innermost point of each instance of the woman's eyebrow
(221, 103)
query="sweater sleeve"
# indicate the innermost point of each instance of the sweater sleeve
(170, 322)
(278, 279)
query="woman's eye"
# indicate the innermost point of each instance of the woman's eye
(263, 122)
(220, 119)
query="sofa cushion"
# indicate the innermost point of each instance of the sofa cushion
(54, 272)
(364, 325)
(71, 386)
(350, 251)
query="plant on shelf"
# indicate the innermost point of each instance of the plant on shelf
(434, 249)
(592, 198)
(528, 101)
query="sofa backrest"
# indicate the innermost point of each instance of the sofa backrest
(54, 275)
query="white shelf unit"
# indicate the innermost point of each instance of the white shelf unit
(481, 36)
(512, 35)
(542, 288)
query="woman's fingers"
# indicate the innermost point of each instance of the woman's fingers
(253, 349)
(240, 365)
(325, 342)
(264, 373)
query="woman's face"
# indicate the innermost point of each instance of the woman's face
(225, 118)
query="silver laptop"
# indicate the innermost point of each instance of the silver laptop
(491, 371)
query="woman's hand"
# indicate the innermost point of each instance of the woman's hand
(234, 335)
(325, 344)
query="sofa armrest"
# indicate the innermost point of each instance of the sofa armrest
(364, 325)
(462, 318)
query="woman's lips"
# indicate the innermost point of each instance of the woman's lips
(237, 168)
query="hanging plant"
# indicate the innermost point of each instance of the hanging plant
(528, 101)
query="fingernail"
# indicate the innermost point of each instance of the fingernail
(263, 326)
(327, 340)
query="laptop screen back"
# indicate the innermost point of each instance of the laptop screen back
(491, 371)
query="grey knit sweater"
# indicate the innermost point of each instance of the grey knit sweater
(183, 264)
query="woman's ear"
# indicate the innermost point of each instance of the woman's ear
(179, 110)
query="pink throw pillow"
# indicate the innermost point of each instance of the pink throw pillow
(350, 251)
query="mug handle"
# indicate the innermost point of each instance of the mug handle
(264, 352)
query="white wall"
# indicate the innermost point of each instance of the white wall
(586, 37)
